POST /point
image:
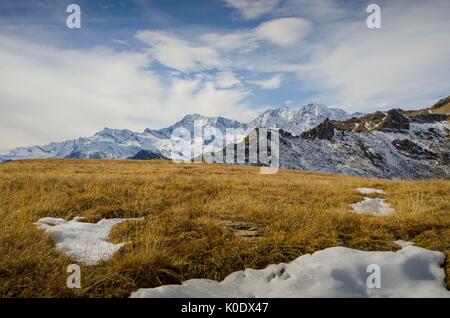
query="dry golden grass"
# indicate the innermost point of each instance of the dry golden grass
(181, 237)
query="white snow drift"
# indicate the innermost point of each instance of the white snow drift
(368, 206)
(333, 272)
(369, 191)
(377, 207)
(83, 242)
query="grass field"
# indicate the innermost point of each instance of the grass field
(185, 207)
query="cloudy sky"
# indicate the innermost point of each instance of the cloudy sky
(147, 63)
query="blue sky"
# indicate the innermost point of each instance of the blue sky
(137, 64)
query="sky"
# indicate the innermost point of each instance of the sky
(140, 64)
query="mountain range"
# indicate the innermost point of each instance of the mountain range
(122, 143)
(297, 121)
(392, 144)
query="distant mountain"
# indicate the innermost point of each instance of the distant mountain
(188, 122)
(106, 144)
(392, 144)
(121, 143)
(296, 121)
(146, 155)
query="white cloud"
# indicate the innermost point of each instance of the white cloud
(285, 31)
(51, 94)
(252, 9)
(403, 64)
(271, 83)
(323, 10)
(221, 51)
(227, 79)
(48, 93)
(176, 53)
(121, 42)
(288, 102)
(239, 41)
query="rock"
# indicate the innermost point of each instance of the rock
(413, 149)
(241, 229)
(394, 120)
(325, 130)
(145, 155)
(376, 159)
(429, 118)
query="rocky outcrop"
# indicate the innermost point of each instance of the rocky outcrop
(325, 130)
(413, 150)
(375, 158)
(394, 121)
(145, 155)
(429, 118)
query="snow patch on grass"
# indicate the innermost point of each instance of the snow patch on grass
(333, 272)
(83, 242)
(369, 191)
(377, 207)
(402, 243)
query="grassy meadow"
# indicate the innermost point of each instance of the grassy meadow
(185, 207)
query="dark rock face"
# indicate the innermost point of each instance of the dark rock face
(445, 159)
(376, 159)
(98, 155)
(81, 155)
(394, 121)
(429, 118)
(412, 149)
(145, 155)
(253, 140)
(75, 155)
(325, 130)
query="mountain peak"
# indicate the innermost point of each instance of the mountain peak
(112, 131)
(299, 120)
(193, 117)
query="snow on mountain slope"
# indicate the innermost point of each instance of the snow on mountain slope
(418, 150)
(422, 151)
(206, 122)
(120, 143)
(383, 144)
(297, 121)
(392, 144)
(106, 144)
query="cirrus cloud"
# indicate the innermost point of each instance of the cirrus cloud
(50, 93)
(284, 31)
(252, 9)
(271, 83)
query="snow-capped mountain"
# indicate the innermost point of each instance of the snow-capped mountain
(106, 144)
(205, 122)
(296, 121)
(420, 151)
(393, 144)
(121, 143)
